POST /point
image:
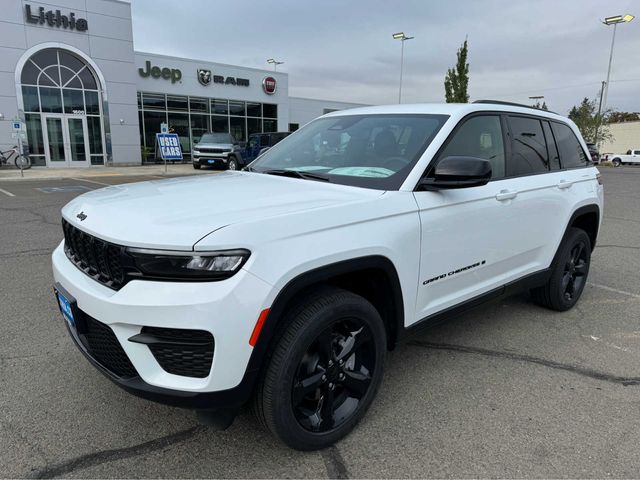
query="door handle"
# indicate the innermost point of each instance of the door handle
(506, 195)
(564, 184)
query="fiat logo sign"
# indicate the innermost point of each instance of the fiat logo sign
(269, 85)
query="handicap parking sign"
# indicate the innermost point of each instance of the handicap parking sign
(169, 146)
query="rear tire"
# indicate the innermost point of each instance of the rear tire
(616, 162)
(23, 162)
(569, 273)
(324, 371)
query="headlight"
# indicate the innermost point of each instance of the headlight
(187, 265)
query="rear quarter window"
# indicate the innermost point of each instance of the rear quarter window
(571, 153)
(528, 147)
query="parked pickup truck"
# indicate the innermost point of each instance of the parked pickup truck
(631, 157)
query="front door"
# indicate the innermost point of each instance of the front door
(66, 139)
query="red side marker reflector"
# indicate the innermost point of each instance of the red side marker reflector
(256, 330)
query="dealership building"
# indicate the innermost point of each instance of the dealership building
(73, 86)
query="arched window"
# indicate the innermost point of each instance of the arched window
(56, 81)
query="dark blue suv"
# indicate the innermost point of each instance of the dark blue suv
(258, 142)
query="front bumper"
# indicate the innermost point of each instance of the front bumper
(203, 158)
(227, 309)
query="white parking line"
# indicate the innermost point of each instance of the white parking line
(9, 194)
(621, 292)
(91, 181)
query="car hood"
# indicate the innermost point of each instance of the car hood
(176, 213)
(224, 146)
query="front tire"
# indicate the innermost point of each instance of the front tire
(197, 166)
(325, 370)
(233, 164)
(569, 273)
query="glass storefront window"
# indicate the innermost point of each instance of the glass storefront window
(199, 104)
(72, 100)
(199, 126)
(238, 128)
(92, 102)
(152, 121)
(236, 108)
(269, 125)
(30, 99)
(254, 110)
(34, 134)
(253, 126)
(219, 106)
(219, 124)
(155, 101)
(269, 110)
(95, 135)
(175, 102)
(51, 100)
(179, 122)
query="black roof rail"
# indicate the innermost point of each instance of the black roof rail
(500, 102)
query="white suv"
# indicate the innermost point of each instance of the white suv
(285, 284)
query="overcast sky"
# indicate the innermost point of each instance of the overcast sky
(343, 50)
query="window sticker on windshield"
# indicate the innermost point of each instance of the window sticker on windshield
(378, 172)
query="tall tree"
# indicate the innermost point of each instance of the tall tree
(456, 81)
(585, 116)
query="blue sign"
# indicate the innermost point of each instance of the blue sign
(169, 146)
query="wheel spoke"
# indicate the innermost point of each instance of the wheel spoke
(304, 387)
(325, 346)
(356, 382)
(326, 410)
(581, 269)
(353, 342)
(577, 253)
(565, 281)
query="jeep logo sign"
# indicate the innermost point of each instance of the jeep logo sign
(172, 74)
(269, 85)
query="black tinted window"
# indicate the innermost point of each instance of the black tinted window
(528, 148)
(554, 158)
(481, 137)
(571, 153)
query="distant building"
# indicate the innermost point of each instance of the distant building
(626, 136)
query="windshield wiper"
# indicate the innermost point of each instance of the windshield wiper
(296, 174)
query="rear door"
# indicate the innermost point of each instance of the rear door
(475, 240)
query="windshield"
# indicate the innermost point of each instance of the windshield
(373, 151)
(216, 138)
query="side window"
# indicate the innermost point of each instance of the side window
(554, 157)
(529, 150)
(480, 136)
(571, 153)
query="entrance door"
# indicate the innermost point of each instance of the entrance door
(66, 140)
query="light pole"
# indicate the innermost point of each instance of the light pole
(612, 21)
(403, 38)
(537, 99)
(275, 63)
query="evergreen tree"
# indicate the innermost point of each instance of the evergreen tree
(456, 82)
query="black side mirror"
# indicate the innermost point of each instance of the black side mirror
(457, 172)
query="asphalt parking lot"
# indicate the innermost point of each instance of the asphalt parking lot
(507, 390)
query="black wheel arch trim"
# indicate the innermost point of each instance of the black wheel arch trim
(320, 275)
(585, 209)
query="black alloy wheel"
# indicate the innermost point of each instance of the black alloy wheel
(325, 369)
(575, 271)
(334, 375)
(569, 273)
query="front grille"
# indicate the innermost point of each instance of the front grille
(103, 345)
(213, 150)
(99, 259)
(181, 352)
